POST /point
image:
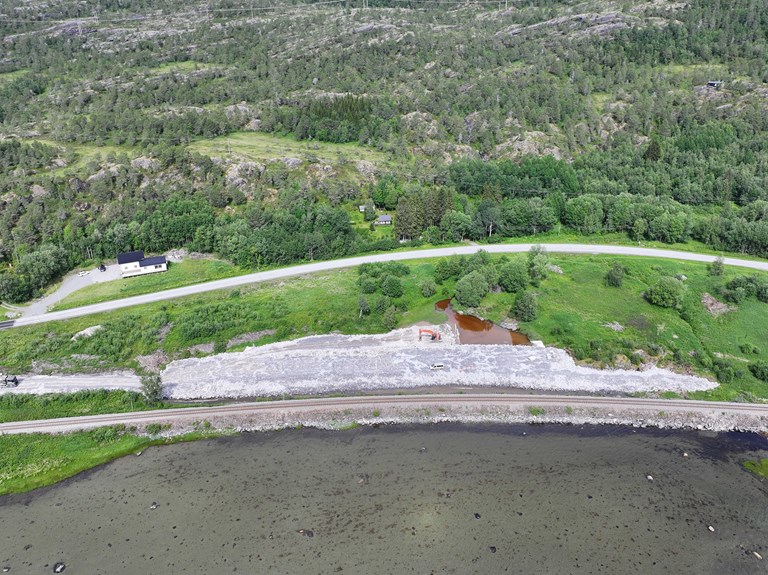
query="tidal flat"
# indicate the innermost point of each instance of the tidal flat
(444, 498)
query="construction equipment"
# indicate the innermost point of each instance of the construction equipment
(433, 335)
(9, 381)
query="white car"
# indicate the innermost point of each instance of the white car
(83, 273)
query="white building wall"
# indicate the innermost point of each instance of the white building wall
(133, 269)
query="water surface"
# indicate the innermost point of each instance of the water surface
(398, 500)
(480, 331)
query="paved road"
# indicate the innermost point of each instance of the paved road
(351, 262)
(295, 408)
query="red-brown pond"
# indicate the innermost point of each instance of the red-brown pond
(480, 331)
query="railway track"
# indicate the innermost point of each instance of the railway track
(296, 408)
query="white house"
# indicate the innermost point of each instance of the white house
(135, 264)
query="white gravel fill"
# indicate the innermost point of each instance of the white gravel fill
(40, 384)
(339, 363)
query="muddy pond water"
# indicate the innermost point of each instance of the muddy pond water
(480, 331)
(447, 499)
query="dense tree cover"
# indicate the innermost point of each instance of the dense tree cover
(647, 149)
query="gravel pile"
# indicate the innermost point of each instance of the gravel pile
(339, 363)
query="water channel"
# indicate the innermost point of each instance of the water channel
(442, 499)
(480, 331)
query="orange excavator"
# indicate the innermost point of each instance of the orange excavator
(433, 335)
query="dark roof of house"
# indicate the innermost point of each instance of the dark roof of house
(385, 218)
(152, 261)
(130, 257)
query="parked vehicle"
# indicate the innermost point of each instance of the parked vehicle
(102, 268)
(83, 273)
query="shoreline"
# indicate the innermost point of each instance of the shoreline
(167, 427)
(343, 412)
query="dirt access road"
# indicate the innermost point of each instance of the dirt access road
(311, 410)
(356, 261)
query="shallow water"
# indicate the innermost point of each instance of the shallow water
(395, 500)
(480, 331)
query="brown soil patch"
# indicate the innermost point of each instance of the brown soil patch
(153, 362)
(714, 306)
(249, 337)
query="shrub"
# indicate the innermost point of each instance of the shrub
(368, 284)
(513, 276)
(748, 348)
(667, 292)
(717, 267)
(471, 289)
(381, 304)
(762, 293)
(428, 288)
(152, 389)
(748, 285)
(615, 276)
(538, 260)
(392, 287)
(363, 307)
(760, 370)
(390, 318)
(526, 306)
(736, 295)
(448, 268)
(14, 288)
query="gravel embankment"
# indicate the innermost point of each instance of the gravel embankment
(337, 363)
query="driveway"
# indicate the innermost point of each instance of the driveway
(71, 283)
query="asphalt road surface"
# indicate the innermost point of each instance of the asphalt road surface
(332, 405)
(356, 261)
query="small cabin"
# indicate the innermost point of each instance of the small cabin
(361, 208)
(135, 264)
(383, 220)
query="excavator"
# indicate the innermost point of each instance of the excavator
(433, 335)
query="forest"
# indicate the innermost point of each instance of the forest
(486, 122)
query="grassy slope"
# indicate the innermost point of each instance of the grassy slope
(180, 274)
(197, 271)
(573, 310)
(25, 407)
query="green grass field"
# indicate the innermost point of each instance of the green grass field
(10, 76)
(759, 467)
(258, 146)
(30, 461)
(575, 307)
(27, 407)
(180, 274)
